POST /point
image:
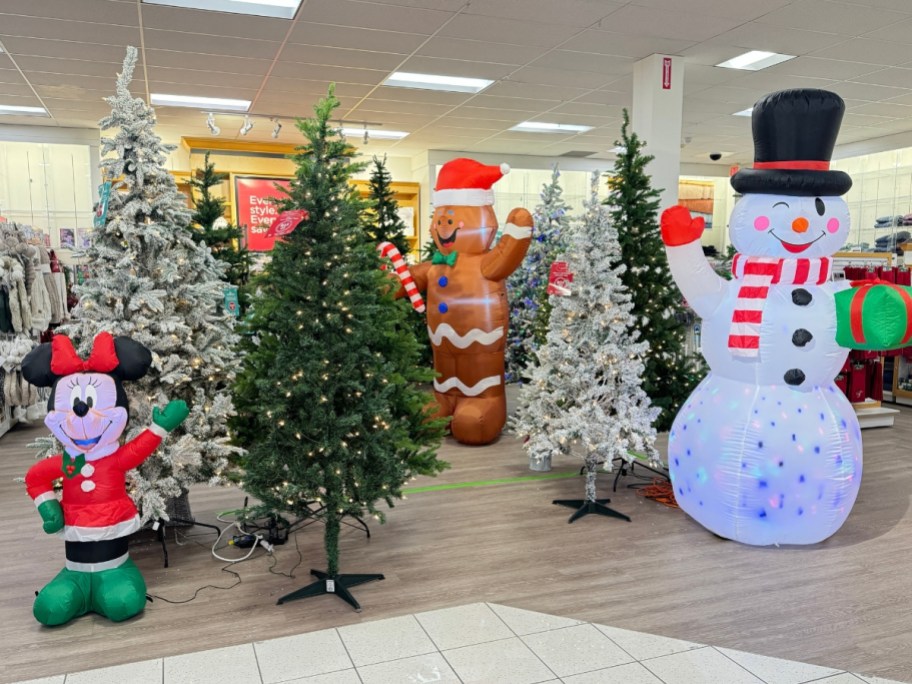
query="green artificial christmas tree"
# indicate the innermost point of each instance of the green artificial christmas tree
(330, 381)
(671, 373)
(385, 225)
(530, 305)
(152, 282)
(213, 230)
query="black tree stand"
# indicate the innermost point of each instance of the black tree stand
(590, 504)
(331, 582)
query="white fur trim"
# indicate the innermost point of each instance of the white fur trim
(47, 496)
(158, 430)
(473, 391)
(446, 332)
(121, 529)
(97, 567)
(505, 168)
(464, 197)
(517, 232)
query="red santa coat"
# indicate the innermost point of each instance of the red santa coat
(95, 501)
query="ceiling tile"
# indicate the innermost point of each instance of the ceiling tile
(18, 89)
(308, 33)
(700, 74)
(896, 77)
(52, 65)
(102, 83)
(763, 82)
(415, 95)
(835, 69)
(470, 125)
(315, 86)
(213, 63)
(70, 91)
(589, 109)
(58, 29)
(120, 13)
(425, 109)
(625, 45)
(578, 13)
(608, 97)
(320, 54)
(559, 77)
(583, 61)
(537, 92)
(373, 16)
(63, 49)
(866, 51)
(213, 23)
(676, 24)
(891, 109)
(8, 74)
(461, 48)
(736, 9)
(865, 91)
(494, 113)
(513, 31)
(319, 72)
(789, 41)
(445, 5)
(454, 67)
(164, 75)
(864, 119)
(199, 90)
(832, 17)
(177, 41)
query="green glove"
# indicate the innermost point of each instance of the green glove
(171, 416)
(52, 515)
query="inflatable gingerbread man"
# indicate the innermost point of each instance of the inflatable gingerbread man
(467, 310)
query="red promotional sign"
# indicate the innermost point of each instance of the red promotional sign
(559, 279)
(666, 73)
(256, 208)
(286, 223)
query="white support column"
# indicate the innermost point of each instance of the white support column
(658, 102)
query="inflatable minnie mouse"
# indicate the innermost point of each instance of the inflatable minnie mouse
(88, 413)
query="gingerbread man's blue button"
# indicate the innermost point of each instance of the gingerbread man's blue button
(443, 281)
(442, 308)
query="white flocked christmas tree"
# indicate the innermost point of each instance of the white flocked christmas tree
(152, 282)
(584, 395)
(527, 288)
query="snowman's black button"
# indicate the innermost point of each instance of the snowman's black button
(801, 297)
(794, 376)
(801, 337)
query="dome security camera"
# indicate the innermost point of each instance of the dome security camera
(715, 156)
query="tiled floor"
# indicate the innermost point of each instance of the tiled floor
(479, 643)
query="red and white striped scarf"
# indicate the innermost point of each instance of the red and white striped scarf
(756, 275)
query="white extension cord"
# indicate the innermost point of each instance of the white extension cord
(259, 541)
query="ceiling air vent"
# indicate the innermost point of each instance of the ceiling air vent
(578, 153)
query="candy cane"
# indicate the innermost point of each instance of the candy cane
(388, 249)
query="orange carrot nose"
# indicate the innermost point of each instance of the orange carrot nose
(800, 224)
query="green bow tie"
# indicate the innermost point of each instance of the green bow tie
(71, 466)
(440, 258)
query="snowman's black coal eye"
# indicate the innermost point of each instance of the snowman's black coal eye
(819, 206)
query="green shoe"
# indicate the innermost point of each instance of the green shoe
(119, 593)
(65, 597)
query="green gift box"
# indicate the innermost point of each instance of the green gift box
(874, 315)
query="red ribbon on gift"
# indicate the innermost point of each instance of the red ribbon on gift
(855, 322)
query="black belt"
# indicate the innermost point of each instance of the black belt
(96, 551)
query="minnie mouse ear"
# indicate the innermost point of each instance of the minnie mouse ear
(36, 366)
(135, 359)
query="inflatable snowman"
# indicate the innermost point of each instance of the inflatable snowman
(767, 450)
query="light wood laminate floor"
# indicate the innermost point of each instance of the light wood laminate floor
(843, 603)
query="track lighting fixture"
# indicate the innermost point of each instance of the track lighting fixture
(247, 126)
(210, 122)
(277, 128)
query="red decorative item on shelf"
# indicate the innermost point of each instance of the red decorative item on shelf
(888, 274)
(903, 276)
(842, 382)
(858, 383)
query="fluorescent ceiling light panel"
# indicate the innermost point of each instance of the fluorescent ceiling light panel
(744, 112)
(543, 127)
(19, 110)
(755, 60)
(280, 9)
(216, 103)
(379, 133)
(456, 84)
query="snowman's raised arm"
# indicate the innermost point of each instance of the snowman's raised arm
(701, 286)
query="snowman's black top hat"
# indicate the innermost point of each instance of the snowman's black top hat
(794, 135)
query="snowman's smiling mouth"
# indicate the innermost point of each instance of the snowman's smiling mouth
(796, 248)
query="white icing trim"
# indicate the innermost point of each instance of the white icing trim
(98, 567)
(121, 529)
(158, 430)
(463, 197)
(41, 498)
(517, 232)
(473, 391)
(445, 331)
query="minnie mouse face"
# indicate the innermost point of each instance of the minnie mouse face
(85, 417)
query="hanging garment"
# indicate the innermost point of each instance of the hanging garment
(60, 283)
(56, 309)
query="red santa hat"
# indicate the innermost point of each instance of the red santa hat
(467, 182)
